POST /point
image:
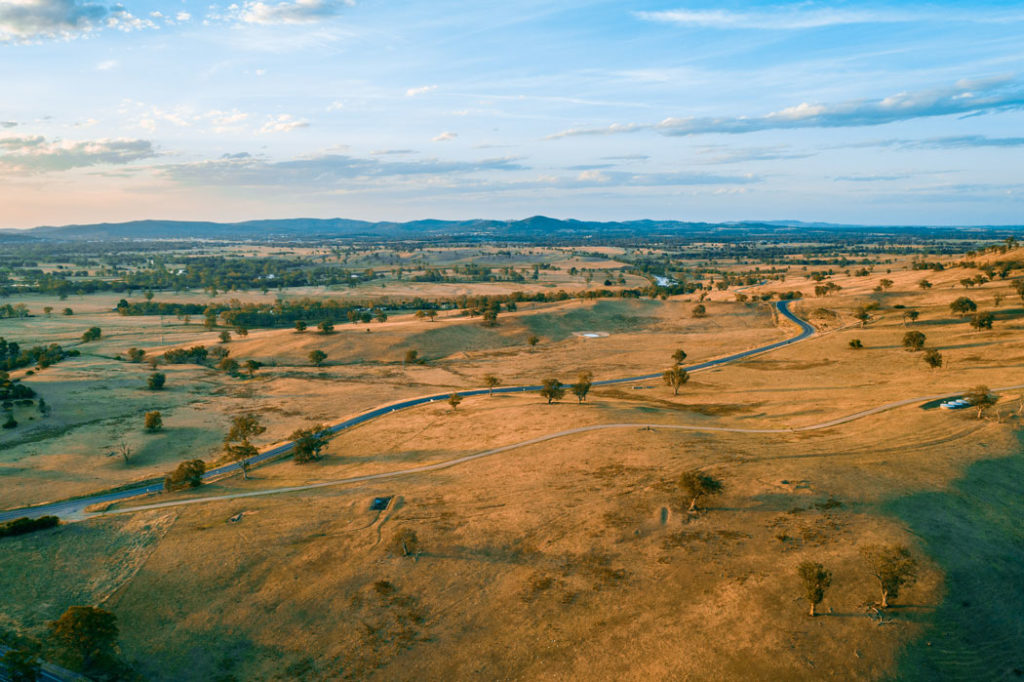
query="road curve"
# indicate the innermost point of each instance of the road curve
(75, 507)
(533, 441)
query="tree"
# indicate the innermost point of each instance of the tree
(300, 326)
(224, 336)
(533, 340)
(67, 311)
(20, 665)
(552, 390)
(699, 310)
(933, 358)
(309, 442)
(924, 284)
(251, 366)
(326, 327)
(490, 318)
(911, 315)
(675, 377)
(242, 331)
(582, 386)
(411, 357)
(156, 381)
(893, 566)
(885, 283)
(405, 542)
(679, 356)
(963, 305)
(981, 398)
(816, 579)
(490, 381)
(237, 443)
(47, 309)
(913, 340)
(317, 357)
(85, 636)
(982, 321)
(91, 334)
(431, 314)
(862, 314)
(454, 399)
(381, 316)
(856, 344)
(696, 484)
(136, 354)
(228, 365)
(154, 421)
(189, 474)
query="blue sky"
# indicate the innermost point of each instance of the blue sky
(886, 113)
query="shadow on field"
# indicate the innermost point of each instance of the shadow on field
(974, 531)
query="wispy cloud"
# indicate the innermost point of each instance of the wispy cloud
(36, 154)
(297, 12)
(963, 98)
(283, 123)
(29, 20)
(8, 124)
(948, 142)
(422, 90)
(323, 170)
(806, 16)
(445, 136)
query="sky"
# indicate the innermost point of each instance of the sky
(849, 112)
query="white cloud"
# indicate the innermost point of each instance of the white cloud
(35, 154)
(445, 136)
(987, 96)
(28, 20)
(282, 123)
(107, 65)
(297, 12)
(423, 89)
(182, 16)
(336, 105)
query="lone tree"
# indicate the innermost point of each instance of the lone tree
(490, 381)
(309, 443)
(699, 310)
(816, 579)
(552, 390)
(862, 314)
(136, 355)
(251, 366)
(326, 327)
(228, 365)
(224, 336)
(962, 306)
(405, 542)
(696, 484)
(856, 344)
(533, 340)
(932, 358)
(454, 399)
(675, 377)
(981, 398)
(91, 334)
(911, 315)
(85, 636)
(982, 321)
(679, 356)
(582, 386)
(411, 357)
(237, 443)
(317, 357)
(913, 340)
(154, 421)
(189, 474)
(300, 326)
(924, 284)
(893, 566)
(156, 381)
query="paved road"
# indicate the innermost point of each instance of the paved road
(75, 507)
(540, 439)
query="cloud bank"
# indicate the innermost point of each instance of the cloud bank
(963, 98)
(35, 154)
(28, 20)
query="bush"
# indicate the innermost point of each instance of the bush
(856, 344)
(156, 381)
(189, 474)
(23, 525)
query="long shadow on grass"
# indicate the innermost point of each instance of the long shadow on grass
(976, 534)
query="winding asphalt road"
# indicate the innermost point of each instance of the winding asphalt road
(75, 507)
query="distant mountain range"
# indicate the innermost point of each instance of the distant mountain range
(535, 228)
